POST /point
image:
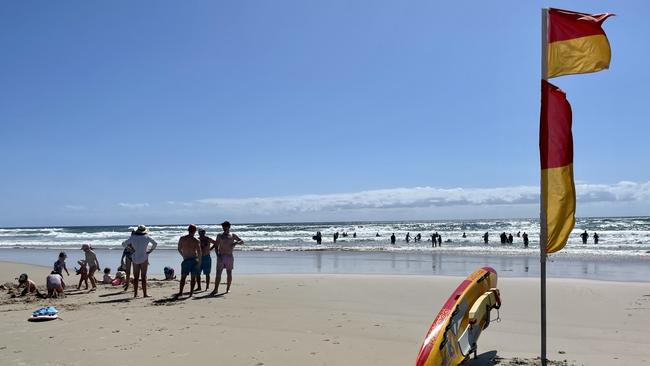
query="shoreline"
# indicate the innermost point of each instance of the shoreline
(380, 262)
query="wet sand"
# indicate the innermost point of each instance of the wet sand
(615, 268)
(317, 319)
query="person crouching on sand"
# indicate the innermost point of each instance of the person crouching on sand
(226, 242)
(140, 241)
(29, 285)
(107, 280)
(93, 264)
(55, 285)
(190, 249)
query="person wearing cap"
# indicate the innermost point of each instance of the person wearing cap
(29, 285)
(206, 260)
(139, 241)
(93, 264)
(190, 249)
(226, 242)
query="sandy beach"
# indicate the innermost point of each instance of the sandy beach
(319, 320)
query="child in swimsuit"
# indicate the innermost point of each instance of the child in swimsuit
(28, 284)
(59, 265)
(83, 273)
(107, 280)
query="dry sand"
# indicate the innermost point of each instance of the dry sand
(318, 320)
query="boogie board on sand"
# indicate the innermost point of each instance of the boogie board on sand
(452, 337)
(42, 318)
(44, 314)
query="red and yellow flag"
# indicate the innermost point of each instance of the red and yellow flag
(556, 157)
(577, 43)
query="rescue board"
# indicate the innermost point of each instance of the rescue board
(453, 335)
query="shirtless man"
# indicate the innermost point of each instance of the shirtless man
(226, 242)
(189, 248)
(206, 260)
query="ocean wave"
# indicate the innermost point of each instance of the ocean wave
(618, 236)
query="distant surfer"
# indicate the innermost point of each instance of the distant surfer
(439, 240)
(392, 239)
(418, 237)
(503, 237)
(354, 235)
(518, 233)
(377, 235)
(525, 236)
(486, 237)
(464, 235)
(408, 237)
(336, 236)
(584, 237)
(596, 238)
(433, 240)
(510, 238)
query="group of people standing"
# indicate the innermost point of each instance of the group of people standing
(196, 254)
(197, 259)
(507, 238)
(585, 236)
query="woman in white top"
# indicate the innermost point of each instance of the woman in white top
(140, 241)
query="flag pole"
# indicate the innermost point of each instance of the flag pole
(542, 222)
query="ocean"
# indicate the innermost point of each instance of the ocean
(619, 236)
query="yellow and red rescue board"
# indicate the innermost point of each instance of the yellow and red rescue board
(454, 332)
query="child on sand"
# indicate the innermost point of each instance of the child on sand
(120, 277)
(29, 285)
(107, 280)
(59, 265)
(55, 285)
(83, 273)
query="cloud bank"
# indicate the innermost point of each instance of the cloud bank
(417, 197)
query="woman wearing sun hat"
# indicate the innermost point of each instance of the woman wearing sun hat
(140, 241)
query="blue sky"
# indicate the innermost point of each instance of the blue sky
(166, 111)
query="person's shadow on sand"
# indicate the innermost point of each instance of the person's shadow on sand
(209, 296)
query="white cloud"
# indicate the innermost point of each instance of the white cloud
(417, 197)
(74, 207)
(133, 205)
